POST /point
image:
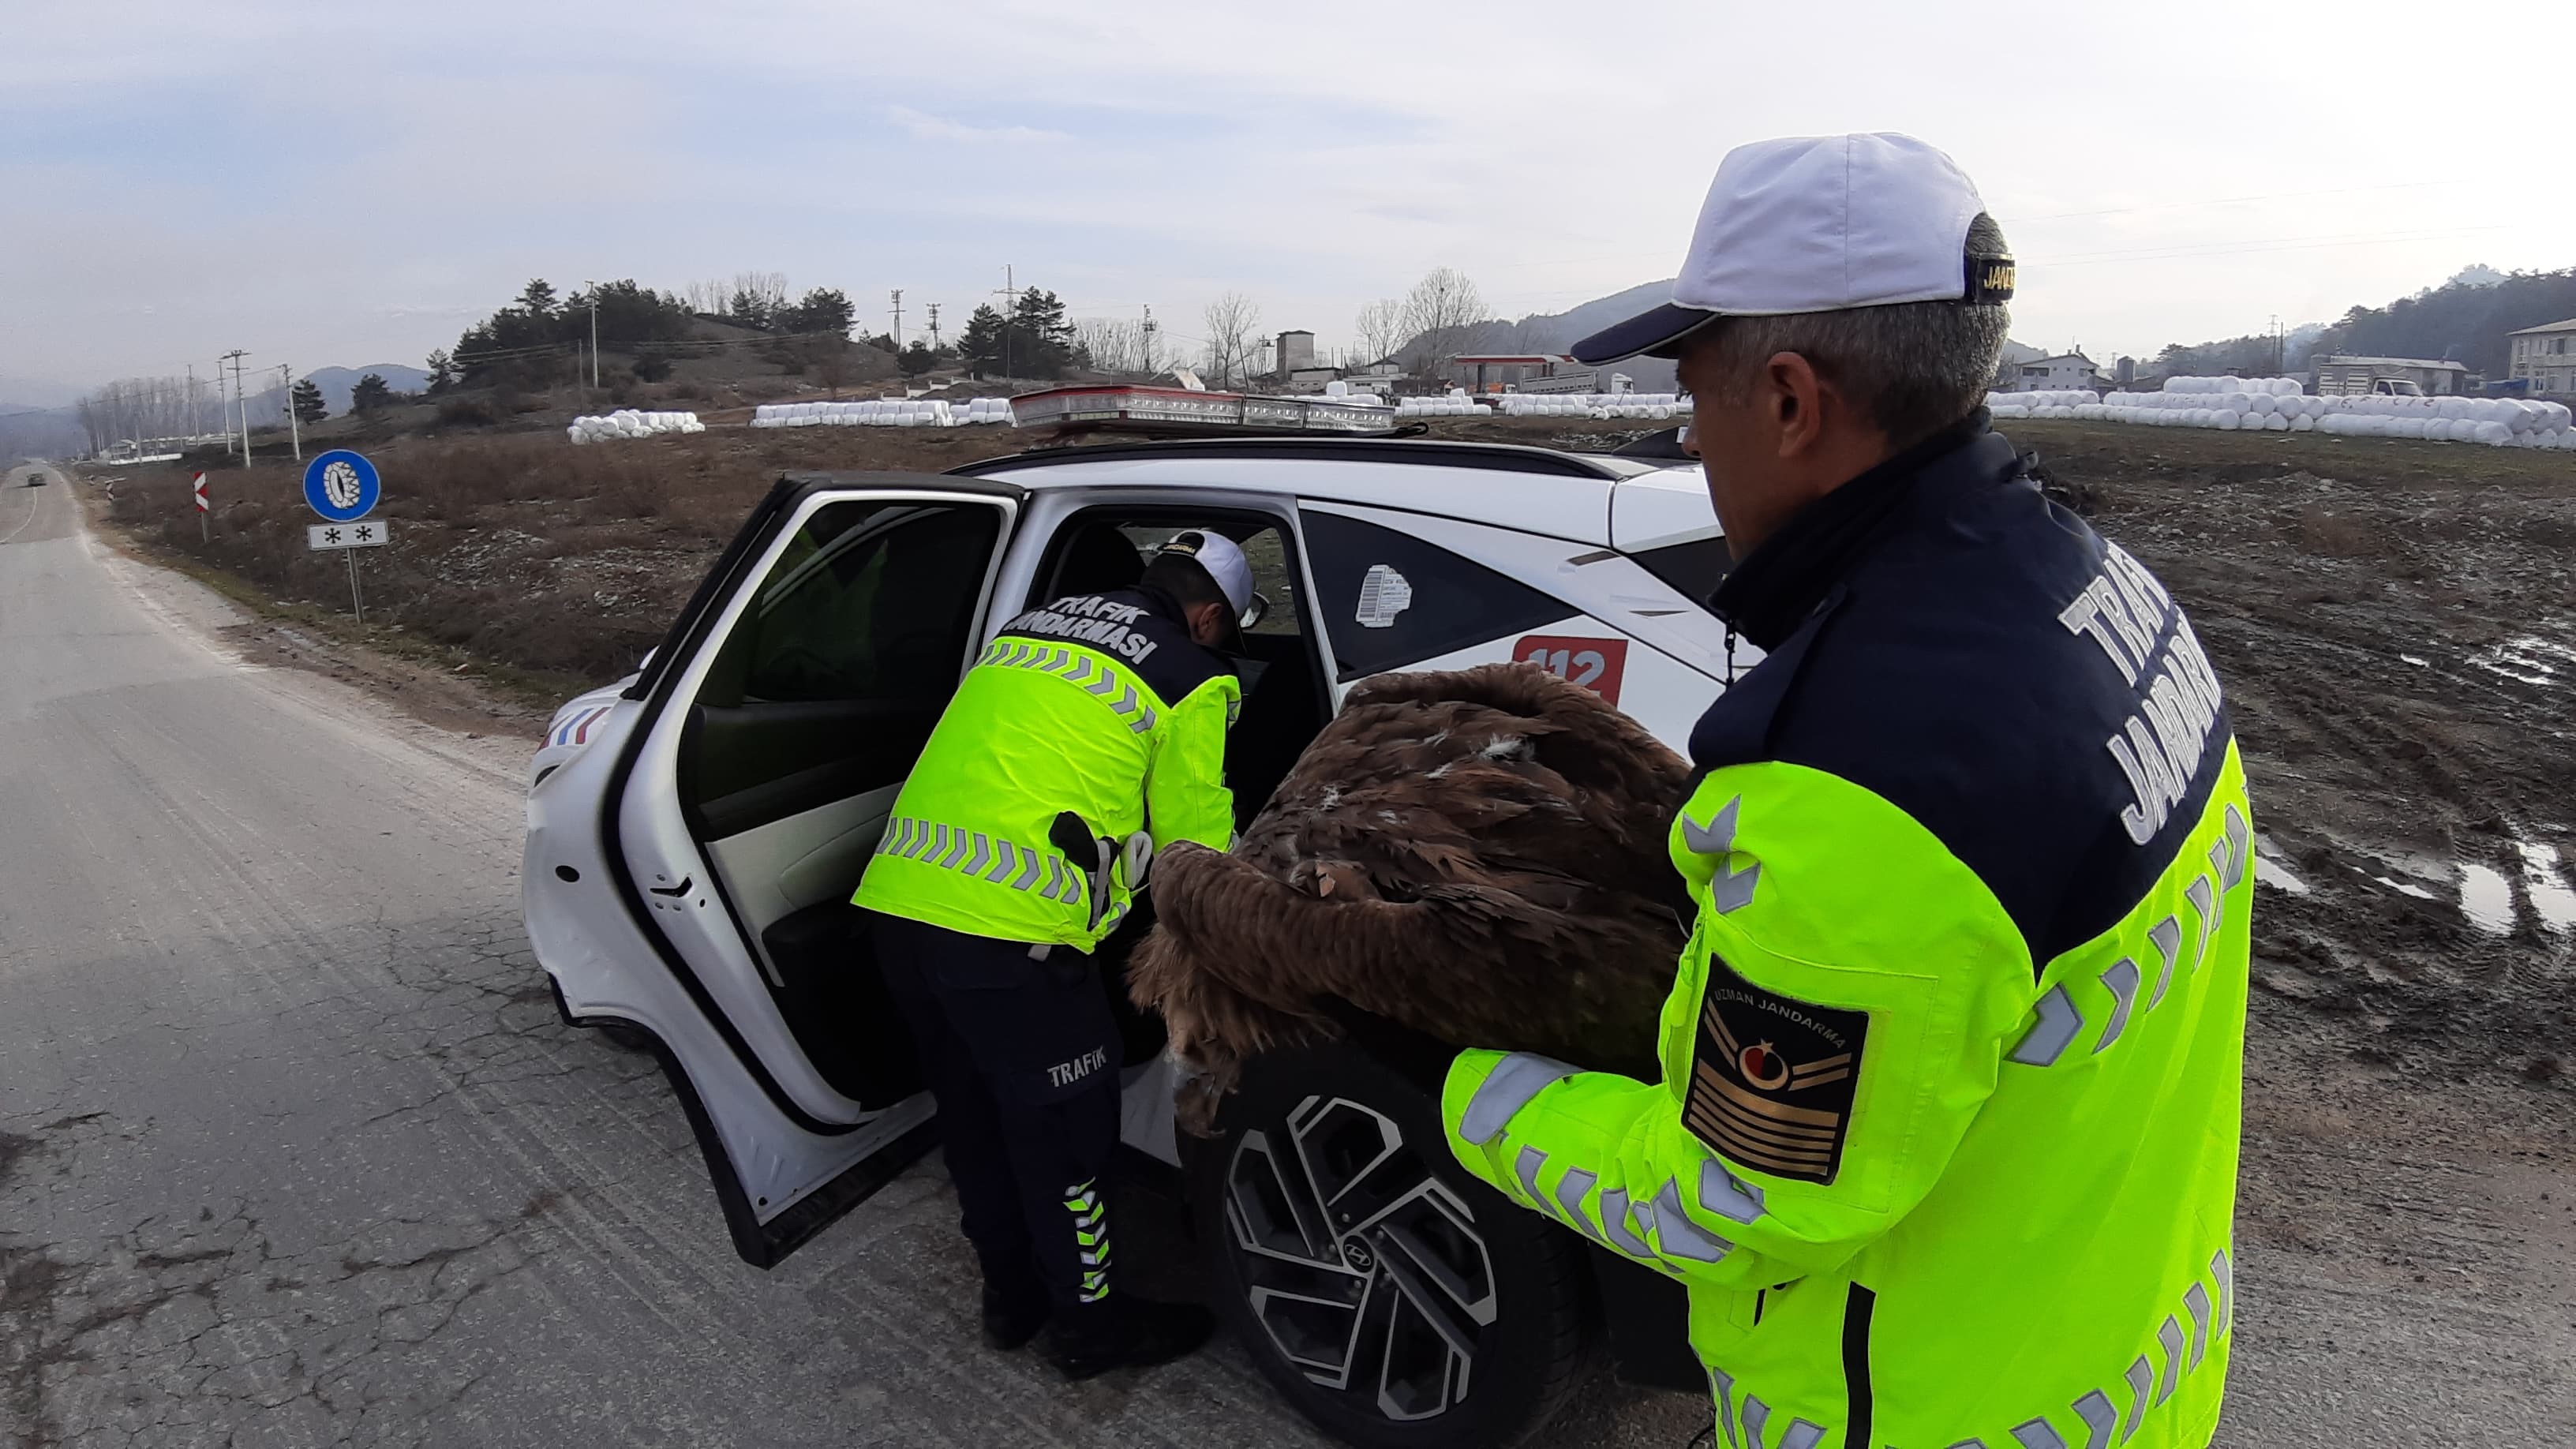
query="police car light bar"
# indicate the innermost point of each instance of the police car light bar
(1170, 410)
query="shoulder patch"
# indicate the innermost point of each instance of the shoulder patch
(1773, 1077)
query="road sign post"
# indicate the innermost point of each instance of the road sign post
(197, 485)
(343, 488)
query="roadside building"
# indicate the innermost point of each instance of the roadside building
(2065, 372)
(1295, 353)
(2545, 356)
(2341, 376)
(1499, 371)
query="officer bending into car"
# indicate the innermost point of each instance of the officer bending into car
(1090, 734)
(1945, 1144)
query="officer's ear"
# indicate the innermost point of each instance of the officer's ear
(1208, 623)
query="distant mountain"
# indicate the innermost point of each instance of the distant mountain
(336, 383)
(24, 394)
(1557, 331)
(39, 433)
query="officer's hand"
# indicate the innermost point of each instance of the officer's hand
(1420, 1059)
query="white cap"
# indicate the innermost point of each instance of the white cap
(1223, 559)
(1820, 224)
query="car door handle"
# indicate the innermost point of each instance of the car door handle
(673, 891)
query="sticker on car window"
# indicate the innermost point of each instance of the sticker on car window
(1384, 593)
(1596, 664)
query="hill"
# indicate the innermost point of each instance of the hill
(336, 383)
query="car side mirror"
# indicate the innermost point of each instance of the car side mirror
(1256, 611)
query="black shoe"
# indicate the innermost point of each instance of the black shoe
(1134, 1333)
(1009, 1324)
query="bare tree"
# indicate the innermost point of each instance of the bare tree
(1443, 315)
(708, 298)
(756, 297)
(1233, 326)
(1111, 344)
(1380, 326)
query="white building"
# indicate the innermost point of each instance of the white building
(2546, 355)
(2065, 372)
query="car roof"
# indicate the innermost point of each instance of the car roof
(1533, 490)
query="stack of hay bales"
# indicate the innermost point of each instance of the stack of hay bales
(630, 423)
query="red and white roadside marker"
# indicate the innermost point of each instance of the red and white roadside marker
(197, 485)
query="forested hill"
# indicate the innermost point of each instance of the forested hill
(2461, 320)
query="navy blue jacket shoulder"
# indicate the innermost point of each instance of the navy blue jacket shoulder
(1982, 659)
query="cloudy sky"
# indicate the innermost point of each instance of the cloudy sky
(352, 183)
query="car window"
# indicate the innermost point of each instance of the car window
(1694, 569)
(870, 601)
(1390, 600)
(1262, 550)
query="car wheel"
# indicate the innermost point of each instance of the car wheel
(1392, 1298)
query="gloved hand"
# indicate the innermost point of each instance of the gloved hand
(1420, 1059)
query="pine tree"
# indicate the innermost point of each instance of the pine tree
(1041, 338)
(306, 399)
(371, 393)
(538, 298)
(917, 359)
(982, 343)
(442, 372)
(824, 309)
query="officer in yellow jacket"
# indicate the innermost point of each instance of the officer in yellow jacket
(1090, 734)
(1945, 1147)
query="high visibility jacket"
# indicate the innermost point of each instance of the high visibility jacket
(1100, 704)
(1945, 1147)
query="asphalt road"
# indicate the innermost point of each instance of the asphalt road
(293, 1150)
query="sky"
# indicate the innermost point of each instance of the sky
(342, 184)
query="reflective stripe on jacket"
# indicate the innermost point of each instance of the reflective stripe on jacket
(1098, 704)
(1946, 1142)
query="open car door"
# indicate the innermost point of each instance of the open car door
(776, 727)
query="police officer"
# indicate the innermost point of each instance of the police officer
(1090, 733)
(1945, 1146)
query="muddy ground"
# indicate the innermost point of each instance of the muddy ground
(2395, 624)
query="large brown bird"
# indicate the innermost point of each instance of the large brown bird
(1477, 855)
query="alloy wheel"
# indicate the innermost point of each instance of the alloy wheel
(1365, 1270)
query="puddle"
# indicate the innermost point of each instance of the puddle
(2269, 871)
(2406, 888)
(2278, 877)
(2418, 663)
(2486, 898)
(2546, 886)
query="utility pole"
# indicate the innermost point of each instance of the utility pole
(934, 326)
(593, 289)
(241, 401)
(897, 334)
(1149, 339)
(1010, 299)
(294, 429)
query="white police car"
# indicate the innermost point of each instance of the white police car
(695, 832)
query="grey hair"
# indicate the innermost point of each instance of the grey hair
(1912, 368)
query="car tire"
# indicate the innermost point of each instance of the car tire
(1397, 1302)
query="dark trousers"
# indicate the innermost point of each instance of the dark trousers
(1023, 1057)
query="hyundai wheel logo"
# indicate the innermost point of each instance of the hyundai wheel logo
(1357, 1254)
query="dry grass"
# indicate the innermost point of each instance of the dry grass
(520, 548)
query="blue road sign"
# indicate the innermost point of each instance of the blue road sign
(341, 485)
